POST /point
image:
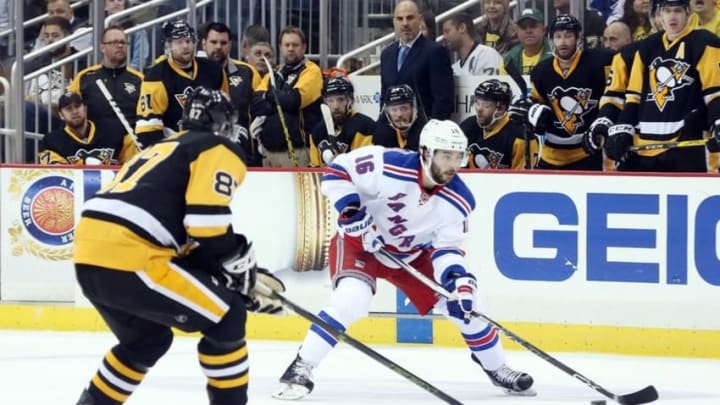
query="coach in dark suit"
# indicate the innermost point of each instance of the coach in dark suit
(418, 62)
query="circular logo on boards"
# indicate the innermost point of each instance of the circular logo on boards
(47, 210)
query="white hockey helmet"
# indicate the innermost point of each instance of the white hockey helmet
(442, 135)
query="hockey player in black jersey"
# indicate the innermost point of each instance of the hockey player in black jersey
(176, 261)
(401, 126)
(168, 82)
(674, 75)
(80, 142)
(351, 129)
(566, 90)
(495, 141)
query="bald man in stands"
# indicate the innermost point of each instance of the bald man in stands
(616, 35)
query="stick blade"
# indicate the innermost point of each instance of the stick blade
(645, 395)
(327, 119)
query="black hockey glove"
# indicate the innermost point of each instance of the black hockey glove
(518, 110)
(239, 266)
(620, 138)
(713, 144)
(540, 117)
(594, 138)
(261, 297)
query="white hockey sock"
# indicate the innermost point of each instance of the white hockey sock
(349, 302)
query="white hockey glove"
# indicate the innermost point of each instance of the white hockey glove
(463, 286)
(239, 266)
(241, 131)
(261, 297)
(540, 117)
(594, 138)
(620, 138)
(358, 223)
(256, 126)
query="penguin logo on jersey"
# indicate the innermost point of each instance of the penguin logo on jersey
(489, 159)
(570, 106)
(96, 156)
(235, 81)
(182, 97)
(665, 76)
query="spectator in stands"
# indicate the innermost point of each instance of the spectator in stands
(608, 9)
(423, 65)
(617, 34)
(167, 83)
(707, 15)
(256, 54)
(243, 80)
(497, 30)
(253, 34)
(298, 90)
(473, 58)
(402, 124)
(122, 82)
(80, 142)
(533, 47)
(139, 45)
(61, 8)
(593, 24)
(31, 9)
(636, 14)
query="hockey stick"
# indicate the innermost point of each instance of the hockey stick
(669, 145)
(281, 115)
(522, 85)
(116, 109)
(643, 396)
(327, 119)
(343, 336)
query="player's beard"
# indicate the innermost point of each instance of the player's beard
(77, 126)
(441, 177)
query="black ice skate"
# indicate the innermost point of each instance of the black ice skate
(296, 381)
(511, 381)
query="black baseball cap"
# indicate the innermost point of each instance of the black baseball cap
(69, 98)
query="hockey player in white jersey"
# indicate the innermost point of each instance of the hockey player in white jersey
(415, 206)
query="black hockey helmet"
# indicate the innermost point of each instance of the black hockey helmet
(399, 94)
(210, 109)
(564, 22)
(494, 90)
(338, 85)
(178, 29)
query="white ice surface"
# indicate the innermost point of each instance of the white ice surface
(52, 368)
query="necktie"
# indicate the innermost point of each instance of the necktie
(402, 54)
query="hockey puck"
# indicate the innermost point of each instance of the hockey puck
(598, 402)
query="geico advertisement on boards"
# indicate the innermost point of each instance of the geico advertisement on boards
(605, 249)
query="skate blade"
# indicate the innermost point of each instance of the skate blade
(290, 392)
(527, 393)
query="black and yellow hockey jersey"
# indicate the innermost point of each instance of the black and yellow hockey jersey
(613, 99)
(668, 81)
(243, 80)
(163, 93)
(573, 97)
(124, 85)
(170, 197)
(503, 146)
(355, 132)
(389, 137)
(108, 145)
